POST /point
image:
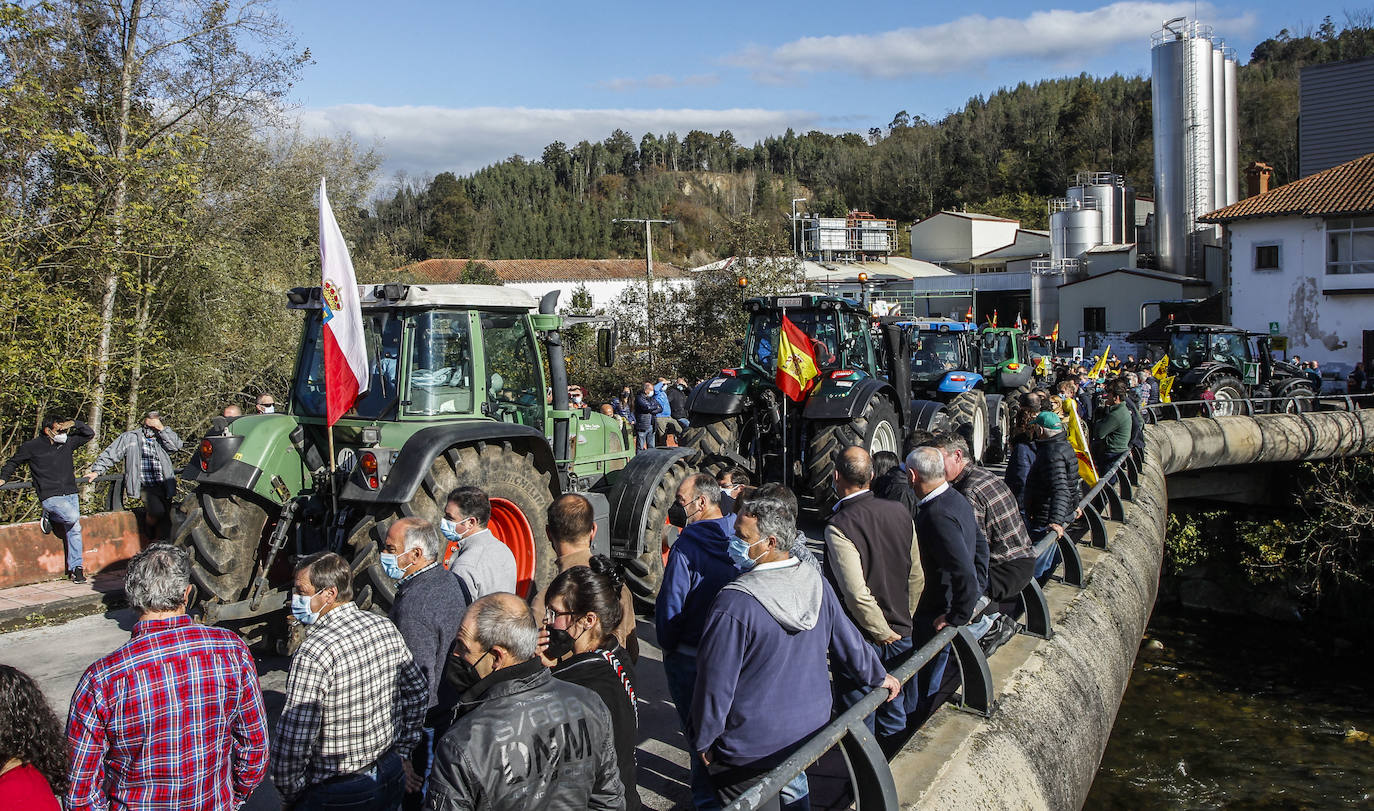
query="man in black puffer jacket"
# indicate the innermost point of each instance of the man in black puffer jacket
(1051, 488)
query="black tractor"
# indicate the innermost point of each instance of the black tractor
(741, 417)
(1225, 364)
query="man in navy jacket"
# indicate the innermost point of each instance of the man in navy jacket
(946, 532)
(763, 684)
(698, 567)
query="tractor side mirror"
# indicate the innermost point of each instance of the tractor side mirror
(605, 347)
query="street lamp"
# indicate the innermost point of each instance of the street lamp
(649, 281)
(796, 245)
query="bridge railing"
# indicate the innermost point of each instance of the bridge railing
(870, 772)
(1251, 406)
(114, 497)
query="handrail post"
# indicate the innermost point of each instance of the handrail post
(1097, 528)
(1071, 561)
(869, 772)
(976, 696)
(1037, 608)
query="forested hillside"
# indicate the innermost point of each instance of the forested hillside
(1003, 154)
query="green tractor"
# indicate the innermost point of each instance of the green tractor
(459, 375)
(740, 417)
(1009, 372)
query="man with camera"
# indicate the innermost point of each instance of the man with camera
(148, 471)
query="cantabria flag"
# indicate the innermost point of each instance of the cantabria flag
(797, 370)
(345, 353)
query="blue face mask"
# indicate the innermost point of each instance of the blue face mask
(300, 609)
(739, 554)
(450, 530)
(390, 567)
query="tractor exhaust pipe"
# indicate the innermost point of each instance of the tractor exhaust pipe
(558, 378)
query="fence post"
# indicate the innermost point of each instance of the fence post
(869, 772)
(977, 696)
(1037, 610)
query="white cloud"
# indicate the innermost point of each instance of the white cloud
(1066, 39)
(661, 81)
(428, 140)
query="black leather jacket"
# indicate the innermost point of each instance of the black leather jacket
(525, 740)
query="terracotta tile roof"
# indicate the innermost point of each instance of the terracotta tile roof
(544, 270)
(1344, 190)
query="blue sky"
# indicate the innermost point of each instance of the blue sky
(457, 85)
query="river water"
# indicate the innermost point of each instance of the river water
(1241, 713)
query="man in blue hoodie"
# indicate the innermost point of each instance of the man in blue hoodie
(778, 617)
(698, 567)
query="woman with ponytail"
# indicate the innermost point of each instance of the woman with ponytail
(578, 643)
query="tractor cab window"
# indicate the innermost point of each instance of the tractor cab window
(996, 347)
(820, 326)
(382, 344)
(1230, 348)
(934, 354)
(514, 379)
(440, 379)
(857, 342)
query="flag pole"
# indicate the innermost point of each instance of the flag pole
(786, 468)
(333, 480)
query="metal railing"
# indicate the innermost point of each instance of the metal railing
(870, 773)
(1251, 406)
(114, 497)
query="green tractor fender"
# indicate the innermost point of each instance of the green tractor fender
(405, 474)
(722, 395)
(266, 455)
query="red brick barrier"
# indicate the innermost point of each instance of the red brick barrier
(29, 556)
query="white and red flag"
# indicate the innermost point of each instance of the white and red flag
(345, 352)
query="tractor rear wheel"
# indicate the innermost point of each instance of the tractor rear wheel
(1226, 393)
(520, 497)
(876, 429)
(712, 435)
(999, 428)
(221, 529)
(644, 573)
(971, 408)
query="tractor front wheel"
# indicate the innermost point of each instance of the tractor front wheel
(876, 429)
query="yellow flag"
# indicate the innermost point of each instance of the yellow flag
(1161, 369)
(1079, 440)
(1165, 384)
(1101, 363)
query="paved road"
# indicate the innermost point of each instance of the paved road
(57, 655)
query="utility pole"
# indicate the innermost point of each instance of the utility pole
(649, 280)
(796, 244)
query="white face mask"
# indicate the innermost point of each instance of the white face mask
(60, 438)
(267, 409)
(577, 398)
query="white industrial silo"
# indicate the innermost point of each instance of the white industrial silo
(1185, 150)
(1232, 129)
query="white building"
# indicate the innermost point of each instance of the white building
(953, 238)
(604, 279)
(1302, 258)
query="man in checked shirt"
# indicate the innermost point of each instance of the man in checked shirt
(354, 700)
(174, 718)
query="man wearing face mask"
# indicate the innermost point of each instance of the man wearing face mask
(698, 567)
(148, 471)
(778, 617)
(520, 738)
(49, 457)
(267, 405)
(354, 699)
(430, 603)
(481, 561)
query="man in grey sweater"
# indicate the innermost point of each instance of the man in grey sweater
(429, 607)
(482, 562)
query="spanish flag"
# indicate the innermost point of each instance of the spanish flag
(797, 370)
(968, 316)
(994, 318)
(1054, 336)
(1078, 438)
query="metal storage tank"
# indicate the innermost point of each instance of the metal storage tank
(1102, 192)
(1073, 231)
(1232, 154)
(1218, 133)
(1181, 90)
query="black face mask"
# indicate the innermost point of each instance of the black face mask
(677, 515)
(560, 643)
(461, 674)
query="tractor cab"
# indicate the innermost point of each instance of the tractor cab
(1005, 357)
(837, 329)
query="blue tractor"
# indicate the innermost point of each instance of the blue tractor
(946, 386)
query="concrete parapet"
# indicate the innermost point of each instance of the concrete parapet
(29, 556)
(1200, 443)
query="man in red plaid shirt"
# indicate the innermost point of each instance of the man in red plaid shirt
(174, 718)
